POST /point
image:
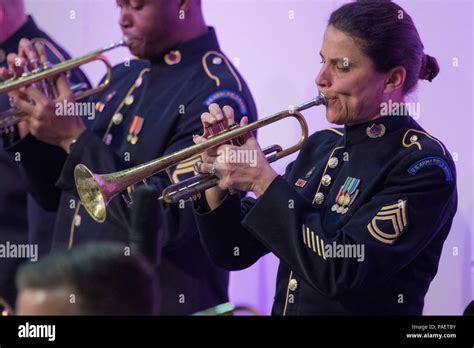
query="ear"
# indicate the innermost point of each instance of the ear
(184, 5)
(395, 79)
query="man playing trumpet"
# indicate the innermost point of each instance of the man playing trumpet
(151, 109)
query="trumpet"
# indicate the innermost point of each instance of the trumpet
(42, 75)
(11, 117)
(97, 190)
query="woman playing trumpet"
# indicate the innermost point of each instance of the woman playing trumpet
(358, 221)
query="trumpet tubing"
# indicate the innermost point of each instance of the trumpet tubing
(29, 78)
(9, 118)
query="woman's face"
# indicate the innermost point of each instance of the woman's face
(348, 79)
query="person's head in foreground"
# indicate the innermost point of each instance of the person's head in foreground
(92, 279)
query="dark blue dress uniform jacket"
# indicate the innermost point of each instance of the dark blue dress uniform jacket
(400, 218)
(167, 97)
(22, 219)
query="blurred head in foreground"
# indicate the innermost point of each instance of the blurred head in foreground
(93, 279)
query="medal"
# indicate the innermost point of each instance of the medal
(346, 195)
(135, 129)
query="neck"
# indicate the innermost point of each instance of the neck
(11, 22)
(364, 120)
(388, 106)
(194, 29)
(186, 34)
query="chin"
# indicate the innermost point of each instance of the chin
(136, 53)
(136, 50)
(334, 118)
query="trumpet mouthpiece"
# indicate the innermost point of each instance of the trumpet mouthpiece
(125, 41)
(319, 100)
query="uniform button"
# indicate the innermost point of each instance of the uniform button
(117, 118)
(326, 180)
(319, 198)
(293, 284)
(333, 162)
(77, 220)
(413, 138)
(217, 60)
(129, 100)
(173, 57)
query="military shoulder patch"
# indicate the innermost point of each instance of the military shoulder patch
(227, 94)
(389, 223)
(429, 162)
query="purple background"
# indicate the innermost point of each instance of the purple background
(275, 45)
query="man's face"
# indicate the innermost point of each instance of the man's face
(45, 302)
(151, 25)
(8, 7)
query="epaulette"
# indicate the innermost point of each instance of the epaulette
(420, 139)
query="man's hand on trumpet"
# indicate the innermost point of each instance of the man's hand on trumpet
(224, 162)
(38, 102)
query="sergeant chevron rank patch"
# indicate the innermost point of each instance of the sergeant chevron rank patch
(389, 223)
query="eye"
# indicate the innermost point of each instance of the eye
(136, 5)
(342, 65)
(342, 68)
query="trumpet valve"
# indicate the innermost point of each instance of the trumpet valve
(215, 129)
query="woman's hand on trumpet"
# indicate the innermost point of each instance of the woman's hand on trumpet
(42, 120)
(242, 168)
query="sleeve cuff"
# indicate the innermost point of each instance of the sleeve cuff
(229, 211)
(66, 179)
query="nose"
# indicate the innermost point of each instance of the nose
(125, 20)
(323, 80)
